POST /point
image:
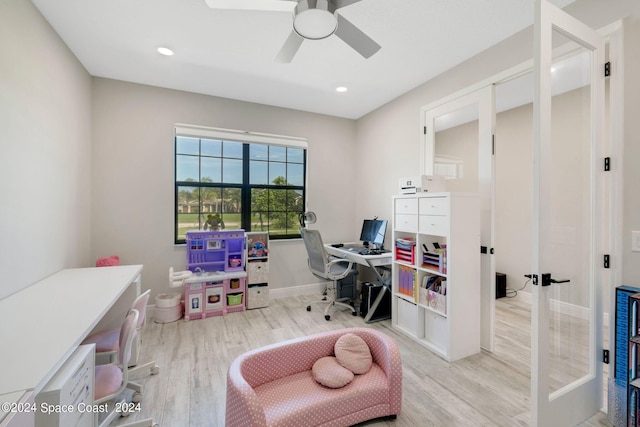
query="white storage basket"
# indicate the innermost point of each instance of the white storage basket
(168, 308)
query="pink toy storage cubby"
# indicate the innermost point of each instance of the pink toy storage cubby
(206, 297)
(222, 250)
(235, 291)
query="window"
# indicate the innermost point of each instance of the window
(228, 179)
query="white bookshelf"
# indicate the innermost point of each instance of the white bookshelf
(445, 322)
(257, 269)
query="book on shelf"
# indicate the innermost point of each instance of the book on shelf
(406, 280)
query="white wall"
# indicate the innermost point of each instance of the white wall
(45, 117)
(132, 175)
(514, 182)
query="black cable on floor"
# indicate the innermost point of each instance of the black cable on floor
(512, 293)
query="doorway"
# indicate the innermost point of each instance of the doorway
(512, 178)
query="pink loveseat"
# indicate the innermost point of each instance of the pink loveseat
(274, 386)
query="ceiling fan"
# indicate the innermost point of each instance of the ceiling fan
(312, 20)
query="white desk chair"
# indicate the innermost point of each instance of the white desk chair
(111, 379)
(108, 344)
(324, 268)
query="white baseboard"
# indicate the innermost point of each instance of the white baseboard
(565, 308)
(293, 291)
(274, 293)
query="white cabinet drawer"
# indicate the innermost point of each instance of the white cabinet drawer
(433, 224)
(407, 206)
(406, 223)
(434, 206)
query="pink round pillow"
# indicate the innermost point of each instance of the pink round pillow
(328, 372)
(353, 353)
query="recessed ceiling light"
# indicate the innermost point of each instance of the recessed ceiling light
(165, 51)
(341, 89)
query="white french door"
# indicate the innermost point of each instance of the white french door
(567, 252)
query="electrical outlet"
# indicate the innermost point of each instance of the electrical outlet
(635, 241)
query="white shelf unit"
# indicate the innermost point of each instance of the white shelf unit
(257, 269)
(448, 325)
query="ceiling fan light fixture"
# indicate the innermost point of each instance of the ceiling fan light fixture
(314, 19)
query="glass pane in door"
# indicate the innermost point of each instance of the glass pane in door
(566, 214)
(456, 148)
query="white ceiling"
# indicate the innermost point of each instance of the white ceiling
(229, 53)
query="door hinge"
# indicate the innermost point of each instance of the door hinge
(425, 130)
(606, 261)
(607, 69)
(605, 356)
(493, 145)
(607, 164)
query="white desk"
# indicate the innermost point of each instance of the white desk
(366, 260)
(41, 325)
(371, 261)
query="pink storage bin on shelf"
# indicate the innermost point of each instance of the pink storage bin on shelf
(108, 261)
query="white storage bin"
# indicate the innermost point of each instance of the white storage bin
(257, 297)
(257, 272)
(168, 308)
(408, 316)
(168, 300)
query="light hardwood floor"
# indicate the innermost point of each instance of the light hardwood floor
(487, 389)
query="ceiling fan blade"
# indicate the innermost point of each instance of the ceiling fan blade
(359, 41)
(343, 3)
(290, 48)
(275, 5)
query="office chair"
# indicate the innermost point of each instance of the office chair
(323, 267)
(111, 379)
(108, 344)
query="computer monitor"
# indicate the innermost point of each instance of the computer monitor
(373, 231)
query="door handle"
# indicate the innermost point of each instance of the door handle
(547, 280)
